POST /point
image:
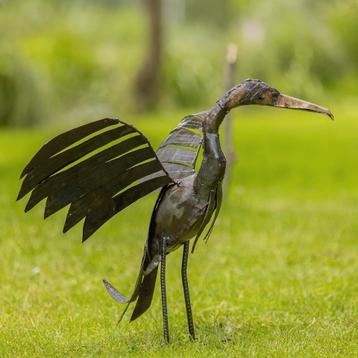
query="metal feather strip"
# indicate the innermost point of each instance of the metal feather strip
(96, 170)
(179, 151)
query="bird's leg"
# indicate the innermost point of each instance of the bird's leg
(186, 290)
(163, 245)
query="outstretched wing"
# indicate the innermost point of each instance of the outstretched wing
(179, 152)
(96, 168)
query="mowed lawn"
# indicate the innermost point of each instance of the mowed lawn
(278, 277)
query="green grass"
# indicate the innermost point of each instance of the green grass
(279, 276)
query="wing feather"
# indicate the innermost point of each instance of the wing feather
(180, 149)
(97, 177)
(65, 139)
(83, 171)
(96, 218)
(183, 137)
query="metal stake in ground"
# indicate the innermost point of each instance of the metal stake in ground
(231, 59)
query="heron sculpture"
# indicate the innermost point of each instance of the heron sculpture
(102, 167)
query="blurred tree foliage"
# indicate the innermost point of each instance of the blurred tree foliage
(62, 59)
(216, 13)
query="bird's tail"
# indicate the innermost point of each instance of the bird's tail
(145, 294)
(143, 291)
(144, 287)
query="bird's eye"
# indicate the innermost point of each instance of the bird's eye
(260, 98)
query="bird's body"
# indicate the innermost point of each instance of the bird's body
(188, 205)
(184, 209)
(101, 168)
(180, 214)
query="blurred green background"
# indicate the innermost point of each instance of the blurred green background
(70, 60)
(279, 276)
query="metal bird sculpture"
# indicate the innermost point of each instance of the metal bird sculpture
(102, 167)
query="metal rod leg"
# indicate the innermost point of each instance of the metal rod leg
(186, 290)
(163, 290)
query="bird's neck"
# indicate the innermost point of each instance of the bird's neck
(212, 168)
(216, 115)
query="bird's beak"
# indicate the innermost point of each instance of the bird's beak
(284, 101)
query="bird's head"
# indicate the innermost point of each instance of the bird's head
(258, 92)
